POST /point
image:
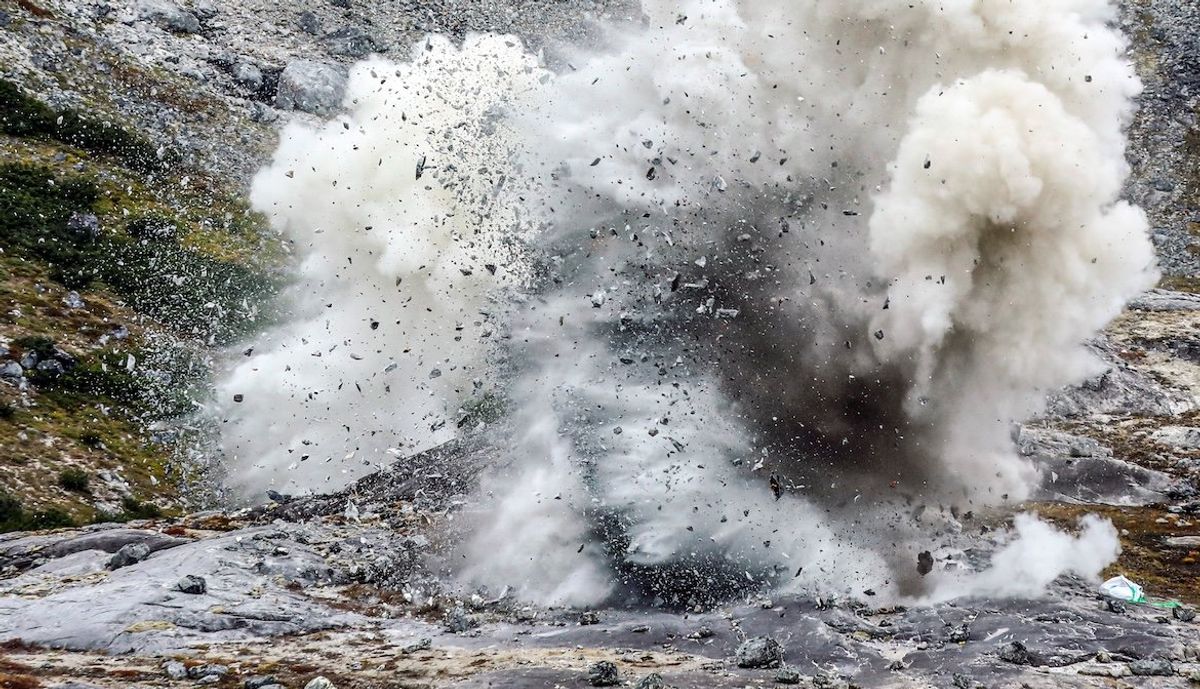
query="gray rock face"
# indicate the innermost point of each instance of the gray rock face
(205, 9)
(108, 540)
(1178, 437)
(759, 652)
(98, 616)
(312, 87)
(168, 15)
(1166, 300)
(1121, 390)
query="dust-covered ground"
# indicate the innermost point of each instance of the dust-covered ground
(352, 586)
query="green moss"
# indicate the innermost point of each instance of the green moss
(24, 116)
(35, 211)
(42, 345)
(14, 517)
(152, 227)
(163, 390)
(74, 480)
(201, 296)
(135, 509)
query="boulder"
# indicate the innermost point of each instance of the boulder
(759, 652)
(168, 15)
(129, 555)
(603, 674)
(248, 76)
(312, 87)
(351, 41)
(193, 585)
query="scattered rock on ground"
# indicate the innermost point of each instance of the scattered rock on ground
(1016, 653)
(651, 681)
(603, 674)
(211, 670)
(351, 41)
(459, 621)
(129, 555)
(175, 670)
(168, 15)
(788, 675)
(248, 75)
(759, 652)
(313, 87)
(193, 585)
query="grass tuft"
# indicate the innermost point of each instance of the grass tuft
(74, 480)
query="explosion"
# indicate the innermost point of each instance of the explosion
(761, 287)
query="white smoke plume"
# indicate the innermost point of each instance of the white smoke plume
(398, 211)
(787, 274)
(1036, 554)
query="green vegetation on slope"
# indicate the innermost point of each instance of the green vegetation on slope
(118, 269)
(23, 116)
(46, 217)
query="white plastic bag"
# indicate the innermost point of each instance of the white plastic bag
(1123, 589)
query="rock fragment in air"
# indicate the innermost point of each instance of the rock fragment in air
(924, 562)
